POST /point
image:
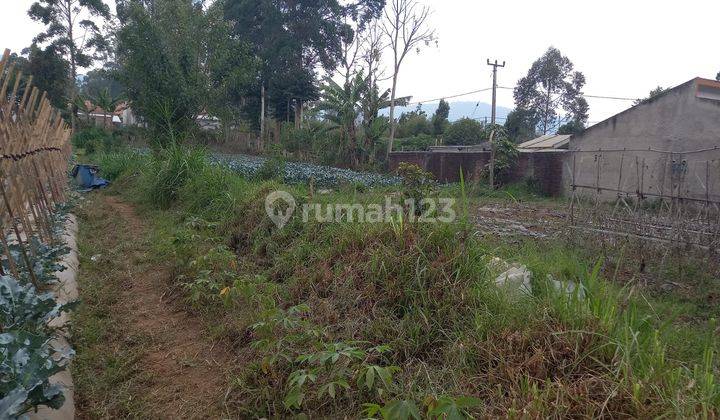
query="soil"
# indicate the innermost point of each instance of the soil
(184, 371)
(508, 219)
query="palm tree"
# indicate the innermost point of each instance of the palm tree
(105, 101)
(81, 104)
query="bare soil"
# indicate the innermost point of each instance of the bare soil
(182, 372)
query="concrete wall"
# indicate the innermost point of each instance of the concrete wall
(630, 151)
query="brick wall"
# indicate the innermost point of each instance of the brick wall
(545, 167)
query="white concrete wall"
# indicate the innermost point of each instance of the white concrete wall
(622, 152)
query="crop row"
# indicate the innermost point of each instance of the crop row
(29, 354)
(302, 173)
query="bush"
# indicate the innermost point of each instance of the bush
(273, 168)
(168, 172)
(413, 124)
(113, 165)
(417, 143)
(464, 132)
(96, 139)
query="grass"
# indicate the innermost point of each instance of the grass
(385, 320)
(104, 371)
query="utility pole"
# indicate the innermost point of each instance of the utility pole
(495, 66)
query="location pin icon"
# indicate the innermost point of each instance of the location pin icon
(279, 217)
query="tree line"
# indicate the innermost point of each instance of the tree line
(307, 76)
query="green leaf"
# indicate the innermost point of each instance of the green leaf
(401, 410)
(370, 377)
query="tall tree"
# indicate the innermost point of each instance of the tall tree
(552, 86)
(72, 31)
(49, 71)
(440, 117)
(520, 125)
(161, 50)
(231, 69)
(96, 80)
(291, 39)
(406, 28)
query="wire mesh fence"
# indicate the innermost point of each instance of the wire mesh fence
(34, 153)
(665, 197)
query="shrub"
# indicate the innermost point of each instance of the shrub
(95, 139)
(420, 142)
(169, 170)
(464, 132)
(272, 168)
(113, 165)
(413, 124)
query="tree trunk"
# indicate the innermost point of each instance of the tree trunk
(392, 116)
(262, 116)
(547, 109)
(298, 113)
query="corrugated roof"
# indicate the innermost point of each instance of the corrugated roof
(548, 141)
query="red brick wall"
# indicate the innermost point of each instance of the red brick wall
(545, 167)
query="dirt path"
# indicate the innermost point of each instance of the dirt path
(176, 370)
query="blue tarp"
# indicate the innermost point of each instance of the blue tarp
(86, 177)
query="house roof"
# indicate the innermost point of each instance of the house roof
(548, 141)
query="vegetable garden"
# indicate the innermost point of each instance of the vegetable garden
(33, 166)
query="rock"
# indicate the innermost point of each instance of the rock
(567, 287)
(325, 191)
(498, 264)
(516, 279)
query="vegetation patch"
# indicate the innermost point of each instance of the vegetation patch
(403, 320)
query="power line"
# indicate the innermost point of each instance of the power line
(617, 98)
(450, 97)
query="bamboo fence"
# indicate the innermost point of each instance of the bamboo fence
(34, 153)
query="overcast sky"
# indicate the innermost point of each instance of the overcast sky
(624, 48)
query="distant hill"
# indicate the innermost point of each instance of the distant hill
(458, 110)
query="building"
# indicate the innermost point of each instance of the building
(667, 146)
(547, 141)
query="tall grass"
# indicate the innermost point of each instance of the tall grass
(169, 170)
(316, 306)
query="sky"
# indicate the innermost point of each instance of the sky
(624, 48)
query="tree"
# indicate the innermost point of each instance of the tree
(503, 152)
(572, 127)
(551, 85)
(653, 93)
(464, 132)
(405, 25)
(161, 50)
(97, 80)
(49, 71)
(290, 39)
(717, 77)
(413, 123)
(440, 117)
(342, 106)
(70, 33)
(520, 125)
(231, 69)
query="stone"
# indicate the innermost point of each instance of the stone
(567, 287)
(516, 279)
